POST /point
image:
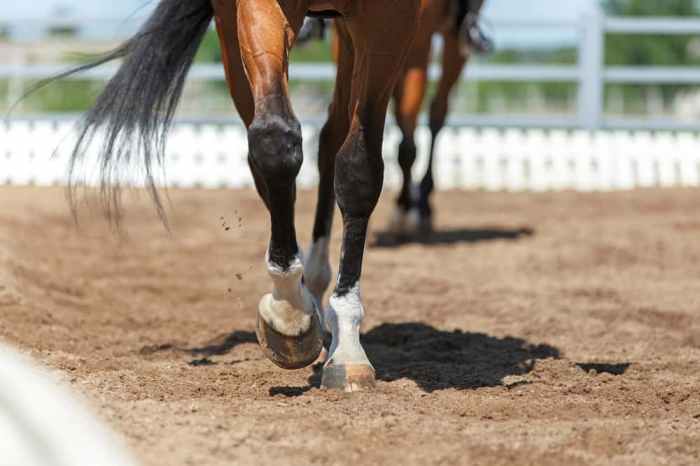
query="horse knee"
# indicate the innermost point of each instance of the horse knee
(275, 146)
(359, 177)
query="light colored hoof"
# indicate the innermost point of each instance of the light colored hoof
(291, 352)
(397, 221)
(348, 377)
(413, 222)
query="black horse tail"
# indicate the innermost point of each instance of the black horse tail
(134, 112)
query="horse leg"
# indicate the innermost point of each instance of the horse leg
(380, 50)
(409, 94)
(226, 21)
(318, 268)
(452, 65)
(257, 36)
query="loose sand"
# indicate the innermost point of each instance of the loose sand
(535, 329)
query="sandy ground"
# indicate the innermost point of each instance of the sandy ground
(535, 329)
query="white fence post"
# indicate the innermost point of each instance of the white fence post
(591, 63)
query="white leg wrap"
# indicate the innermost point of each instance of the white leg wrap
(290, 307)
(317, 274)
(343, 319)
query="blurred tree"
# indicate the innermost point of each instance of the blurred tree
(316, 51)
(649, 50)
(209, 51)
(645, 50)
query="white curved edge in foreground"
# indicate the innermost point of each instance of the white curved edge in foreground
(42, 424)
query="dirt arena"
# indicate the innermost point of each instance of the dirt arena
(534, 329)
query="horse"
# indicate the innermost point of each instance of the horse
(133, 113)
(458, 23)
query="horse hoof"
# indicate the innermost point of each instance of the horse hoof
(425, 225)
(348, 377)
(397, 221)
(291, 352)
(413, 222)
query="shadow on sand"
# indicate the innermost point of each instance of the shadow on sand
(222, 344)
(438, 360)
(434, 359)
(445, 237)
(604, 368)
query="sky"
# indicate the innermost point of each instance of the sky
(120, 10)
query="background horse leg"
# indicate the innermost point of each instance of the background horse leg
(452, 65)
(409, 94)
(318, 268)
(289, 329)
(381, 48)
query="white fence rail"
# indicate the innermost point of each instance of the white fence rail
(590, 73)
(206, 155)
(585, 151)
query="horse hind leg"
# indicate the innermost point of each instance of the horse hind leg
(288, 325)
(452, 65)
(403, 219)
(409, 95)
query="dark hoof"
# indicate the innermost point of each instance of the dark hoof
(291, 352)
(425, 226)
(348, 377)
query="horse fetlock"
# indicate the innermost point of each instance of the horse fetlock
(289, 326)
(344, 319)
(290, 307)
(347, 367)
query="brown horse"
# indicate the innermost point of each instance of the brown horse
(457, 22)
(134, 112)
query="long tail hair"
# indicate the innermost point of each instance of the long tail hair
(134, 112)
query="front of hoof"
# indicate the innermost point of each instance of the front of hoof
(348, 377)
(290, 352)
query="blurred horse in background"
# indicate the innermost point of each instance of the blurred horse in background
(458, 24)
(457, 21)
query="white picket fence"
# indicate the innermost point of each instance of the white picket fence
(214, 156)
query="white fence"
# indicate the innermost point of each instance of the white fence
(586, 151)
(206, 155)
(590, 73)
